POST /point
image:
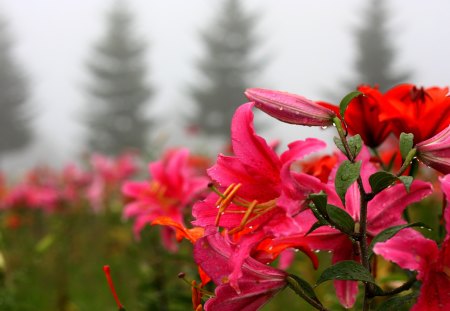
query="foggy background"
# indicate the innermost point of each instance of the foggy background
(305, 47)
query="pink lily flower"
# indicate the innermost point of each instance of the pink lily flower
(174, 185)
(290, 108)
(253, 201)
(250, 182)
(258, 284)
(410, 250)
(435, 151)
(384, 211)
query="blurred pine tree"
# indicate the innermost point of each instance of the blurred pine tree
(376, 55)
(227, 68)
(119, 92)
(15, 130)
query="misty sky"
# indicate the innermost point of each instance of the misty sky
(309, 45)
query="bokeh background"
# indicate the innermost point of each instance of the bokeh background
(106, 76)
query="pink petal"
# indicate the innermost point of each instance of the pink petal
(386, 209)
(410, 250)
(251, 149)
(254, 294)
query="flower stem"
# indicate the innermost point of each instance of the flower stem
(365, 198)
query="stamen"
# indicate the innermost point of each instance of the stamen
(251, 210)
(223, 203)
(244, 220)
(107, 271)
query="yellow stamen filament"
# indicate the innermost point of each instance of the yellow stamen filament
(252, 211)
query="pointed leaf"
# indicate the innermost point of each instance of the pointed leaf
(320, 201)
(346, 175)
(381, 180)
(406, 143)
(390, 232)
(301, 287)
(354, 143)
(341, 219)
(346, 101)
(407, 181)
(398, 303)
(346, 270)
(315, 226)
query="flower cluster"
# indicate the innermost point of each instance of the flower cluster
(353, 203)
(52, 191)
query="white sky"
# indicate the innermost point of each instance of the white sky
(309, 43)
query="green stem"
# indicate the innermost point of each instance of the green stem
(365, 198)
(405, 286)
(407, 162)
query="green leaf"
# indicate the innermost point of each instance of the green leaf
(339, 144)
(315, 226)
(354, 144)
(388, 233)
(320, 201)
(398, 303)
(406, 143)
(346, 270)
(301, 287)
(346, 101)
(346, 175)
(407, 181)
(381, 180)
(341, 219)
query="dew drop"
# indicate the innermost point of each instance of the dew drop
(324, 127)
(280, 108)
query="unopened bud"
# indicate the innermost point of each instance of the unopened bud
(290, 108)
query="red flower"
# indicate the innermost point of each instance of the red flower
(363, 116)
(423, 112)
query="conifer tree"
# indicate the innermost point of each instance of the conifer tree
(118, 91)
(15, 131)
(227, 68)
(375, 52)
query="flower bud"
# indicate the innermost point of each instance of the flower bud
(290, 108)
(435, 151)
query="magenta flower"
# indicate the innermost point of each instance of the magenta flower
(174, 185)
(410, 250)
(250, 182)
(384, 211)
(257, 285)
(107, 176)
(435, 152)
(290, 108)
(254, 198)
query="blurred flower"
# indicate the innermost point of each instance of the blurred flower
(423, 112)
(410, 250)
(174, 184)
(290, 108)
(435, 152)
(107, 177)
